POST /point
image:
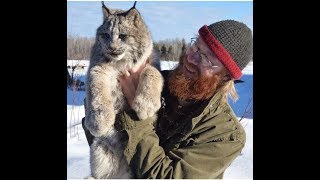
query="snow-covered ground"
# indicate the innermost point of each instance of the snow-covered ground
(78, 149)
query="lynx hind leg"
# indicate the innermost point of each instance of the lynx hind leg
(148, 95)
(102, 159)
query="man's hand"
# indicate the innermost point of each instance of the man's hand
(129, 82)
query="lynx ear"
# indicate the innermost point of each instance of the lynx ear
(105, 10)
(134, 14)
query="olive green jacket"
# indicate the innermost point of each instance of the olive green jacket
(201, 144)
(200, 141)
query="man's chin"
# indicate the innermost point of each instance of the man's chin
(196, 88)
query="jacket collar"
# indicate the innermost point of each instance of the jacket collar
(210, 109)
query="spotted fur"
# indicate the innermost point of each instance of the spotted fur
(122, 42)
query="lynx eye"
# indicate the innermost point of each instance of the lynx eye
(123, 37)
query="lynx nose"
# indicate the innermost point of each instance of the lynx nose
(112, 48)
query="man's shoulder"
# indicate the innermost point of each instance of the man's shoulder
(220, 114)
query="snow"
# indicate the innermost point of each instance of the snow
(248, 69)
(78, 150)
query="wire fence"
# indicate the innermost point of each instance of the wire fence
(75, 96)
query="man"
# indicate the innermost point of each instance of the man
(197, 134)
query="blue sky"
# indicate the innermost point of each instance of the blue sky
(165, 19)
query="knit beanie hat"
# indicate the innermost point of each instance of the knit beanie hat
(231, 41)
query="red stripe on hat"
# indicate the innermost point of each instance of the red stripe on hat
(221, 53)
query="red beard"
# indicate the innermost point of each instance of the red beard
(201, 88)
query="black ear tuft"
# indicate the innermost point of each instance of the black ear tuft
(134, 5)
(105, 10)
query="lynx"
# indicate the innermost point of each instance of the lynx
(122, 42)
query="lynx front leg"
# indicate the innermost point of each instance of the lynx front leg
(148, 95)
(100, 113)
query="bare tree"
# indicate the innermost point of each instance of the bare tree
(79, 48)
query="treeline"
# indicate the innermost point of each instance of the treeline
(170, 49)
(79, 48)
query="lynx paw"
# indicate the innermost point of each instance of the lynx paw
(99, 122)
(145, 107)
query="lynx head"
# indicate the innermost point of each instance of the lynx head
(123, 36)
